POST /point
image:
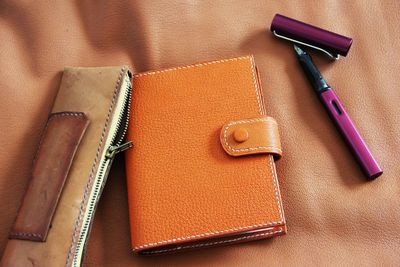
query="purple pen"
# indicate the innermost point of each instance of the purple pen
(339, 115)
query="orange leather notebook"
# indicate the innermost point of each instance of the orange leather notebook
(201, 172)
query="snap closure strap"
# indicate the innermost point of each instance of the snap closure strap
(251, 136)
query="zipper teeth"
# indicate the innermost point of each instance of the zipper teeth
(127, 108)
(91, 206)
(99, 182)
(127, 99)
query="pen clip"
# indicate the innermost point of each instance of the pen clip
(331, 55)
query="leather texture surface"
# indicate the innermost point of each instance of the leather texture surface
(334, 216)
(178, 165)
(93, 91)
(251, 136)
(53, 159)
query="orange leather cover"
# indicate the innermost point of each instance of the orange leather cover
(184, 190)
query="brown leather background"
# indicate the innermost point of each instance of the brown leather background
(333, 215)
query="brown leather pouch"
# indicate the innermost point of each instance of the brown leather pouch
(84, 132)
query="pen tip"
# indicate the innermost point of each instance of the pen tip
(298, 50)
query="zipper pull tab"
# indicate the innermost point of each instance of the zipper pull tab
(113, 150)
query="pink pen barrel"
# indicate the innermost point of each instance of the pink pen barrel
(350, 134)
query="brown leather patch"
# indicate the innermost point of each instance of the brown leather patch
(53, 160)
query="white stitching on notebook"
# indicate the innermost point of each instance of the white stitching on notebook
(212, 243)
(190, 66)
(271, 165)
(256, 85)
(274, 179)
(207, 234)
(89, 183)
(276, 185)
(248, 148)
